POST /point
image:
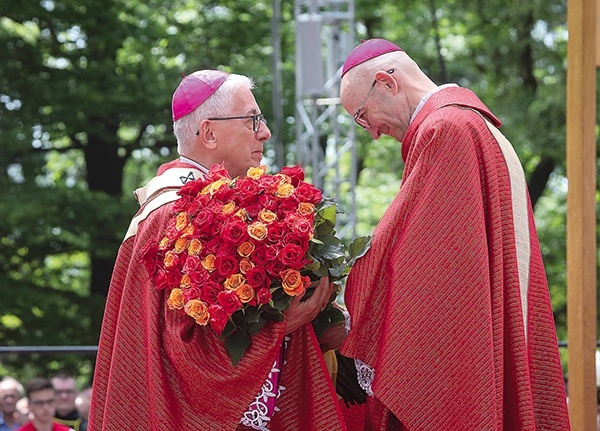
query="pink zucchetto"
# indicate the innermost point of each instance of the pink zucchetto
(367, 50)
(194, 89)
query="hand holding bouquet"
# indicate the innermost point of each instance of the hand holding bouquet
(236, 251)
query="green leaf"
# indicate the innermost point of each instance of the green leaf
(254, 328)
(252, 315)
(358, 248)
(236, 345)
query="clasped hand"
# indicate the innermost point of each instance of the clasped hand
(299, 313)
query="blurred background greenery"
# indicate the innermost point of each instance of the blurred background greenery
(85, 91)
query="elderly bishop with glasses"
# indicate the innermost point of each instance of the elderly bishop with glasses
(158, 370)
(450, 310)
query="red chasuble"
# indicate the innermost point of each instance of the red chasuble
(451, 304)
(158, 370)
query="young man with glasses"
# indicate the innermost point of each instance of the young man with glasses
(158, 370)
(464, 337)
(42, 406)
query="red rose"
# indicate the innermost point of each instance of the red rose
(198, 276)
(160, 279)
(277, 231)
(173, 278)
(267, 201)
(235, 232)
(191, 293)
(275, 267)
(229, 301)
(258, 256)
(152, 260)
(203, 222)
(293, 256)
(257, 277)
(271, 252)
(182, 203)
(263, 295)
(191, 264)
(209, 292)
(295, 173)
(246, 189)
(308, 193)
(218, 318)
(297, 239)
(226, 265)
(268, 182)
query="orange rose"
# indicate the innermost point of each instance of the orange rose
(256, 172)
(234, 281)
(176, 299)
(245, 265)
(245, 292)
(267, 216)
(181, 221)
(185, 282)
(197, 310)
(188, 231)
(209, 262)
(245, 249)
(293, 282)
(306, 208)
(257, 230)
(171, 259)
(285, 190)
(283, 178)
(194, 247)
(213, 187)
(180, 245)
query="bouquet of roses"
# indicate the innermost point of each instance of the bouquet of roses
(236, 251)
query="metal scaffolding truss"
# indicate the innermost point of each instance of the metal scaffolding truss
(324, 131)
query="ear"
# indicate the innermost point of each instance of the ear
(388, 80)
(207, 134)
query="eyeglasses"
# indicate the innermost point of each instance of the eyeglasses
(358, 119)
(65, 391)
(256, 120)
(39, 403)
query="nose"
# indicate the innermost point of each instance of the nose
(264, 133)
(374, 132)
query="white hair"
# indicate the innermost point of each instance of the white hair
(186, 128)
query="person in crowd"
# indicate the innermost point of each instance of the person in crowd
(157, 369)
(23, 412)
(42, 406)
(10, 392)
(82, 403)
(450, 306)
(66, 392)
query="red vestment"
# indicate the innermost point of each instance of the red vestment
(450, 305)
(158, 370)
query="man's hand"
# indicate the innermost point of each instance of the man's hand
(333, 338)
(299, 313)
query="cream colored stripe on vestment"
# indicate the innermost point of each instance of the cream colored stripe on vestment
(520, 206)
(155, 203)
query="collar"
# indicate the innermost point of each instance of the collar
(427, 96)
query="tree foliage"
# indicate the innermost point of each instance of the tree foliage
(85, 91)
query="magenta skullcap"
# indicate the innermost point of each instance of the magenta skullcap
(194, 89)
(367, 50)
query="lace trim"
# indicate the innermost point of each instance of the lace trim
(259, 412)
(364, 373)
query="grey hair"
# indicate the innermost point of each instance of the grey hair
(186, 128)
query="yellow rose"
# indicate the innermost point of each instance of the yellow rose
(176, 299)
(197, 310)
(245, 265)
(214, 187)
(245, 292)
(188, 231)
(170, 259)
(257, 230)
(306, 208)
(257, 172)
(242, 214)
(228, 208)
(209, 262)
(194, 247)
(267, 216)
(180, 245)
(292, 282)
(285, 190)
(181, 221)
(164, 243)
(234, 281)
(283, 178)
(245, 249)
